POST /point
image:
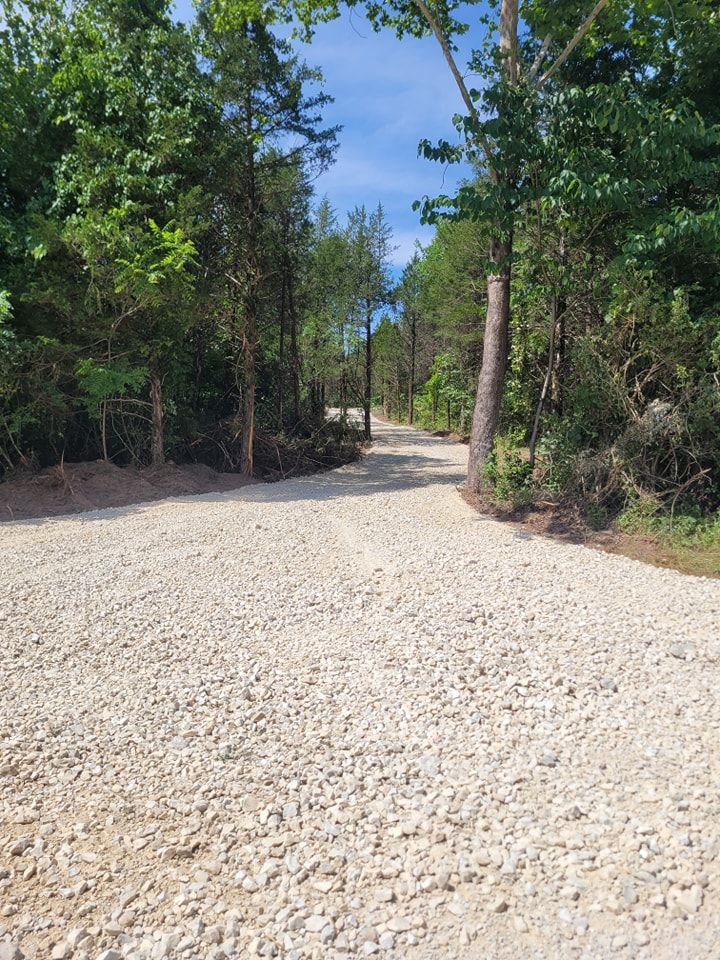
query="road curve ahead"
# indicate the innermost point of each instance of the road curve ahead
(347, 716)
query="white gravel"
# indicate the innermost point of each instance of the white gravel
(347, 716)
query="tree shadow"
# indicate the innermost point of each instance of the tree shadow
(383, 469)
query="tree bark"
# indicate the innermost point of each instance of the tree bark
(558, 361)
(411, 379)
(247, 436)
(486, 414)
(368, 372)
(546, 381)
(281, 353)
(157, 447)
(294, 353)
(556, 381)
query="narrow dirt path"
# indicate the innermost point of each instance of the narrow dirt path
(346, 715)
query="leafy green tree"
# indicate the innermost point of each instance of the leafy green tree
(370, 246)
(269, 124)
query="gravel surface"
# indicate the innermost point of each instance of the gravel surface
(347, 716)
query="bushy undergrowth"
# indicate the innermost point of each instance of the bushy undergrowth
(687, 526)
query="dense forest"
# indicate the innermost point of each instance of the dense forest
(172, 287)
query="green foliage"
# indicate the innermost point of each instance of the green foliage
(687, 526)
(142, 209)
(100, 382)
(508, 473)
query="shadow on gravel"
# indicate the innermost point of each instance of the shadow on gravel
(381, 471)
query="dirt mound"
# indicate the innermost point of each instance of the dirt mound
(76, 487)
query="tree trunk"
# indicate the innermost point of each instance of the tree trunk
(368, 373)
(556, 381)
(247, 436)
(281, 353)
(486, 415)
(157, 448)
(294, 354)
(546, 381)
(250, 304)
(411, 380)
(103, 429)
(558, 361)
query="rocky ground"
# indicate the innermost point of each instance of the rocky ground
(347, 716)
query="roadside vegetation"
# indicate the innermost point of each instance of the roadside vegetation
(171, 287)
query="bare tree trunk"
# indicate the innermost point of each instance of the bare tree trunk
(546, 381)
(294, 355)
(556, 381)
(368, 372)
(558, 361)
(250, 303)
(281, 353)
(486, 415)
(247, 436)
(103, 430)
(411, 380)
(157, 448)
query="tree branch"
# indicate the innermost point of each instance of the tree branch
(537, 62)
(445, 46)
(458, 77)
(582, 30)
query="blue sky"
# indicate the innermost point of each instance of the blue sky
(389, 94)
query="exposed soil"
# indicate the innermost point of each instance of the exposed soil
(97, 485)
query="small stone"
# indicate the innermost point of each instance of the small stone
(10, 951)
(691, 900)
(76, 936)
(548, 759)
(630, 894)
(400, 924)
(127, 897)
(19, 846)
(61, 951)
(387, 940)
(499, 905)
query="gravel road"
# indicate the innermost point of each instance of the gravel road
(347, 716)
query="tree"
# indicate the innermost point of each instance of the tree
(370, 246)
(269, 125)
(328, 298)
(498, 144)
